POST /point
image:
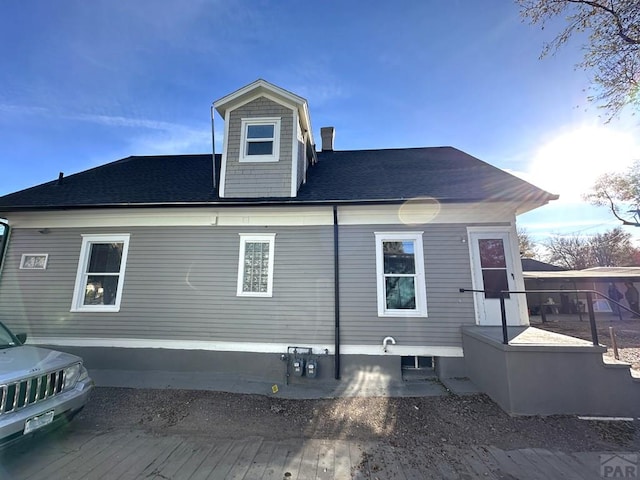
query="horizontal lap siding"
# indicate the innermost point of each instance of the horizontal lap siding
(259, 179)
(447, 269)
(180, 283)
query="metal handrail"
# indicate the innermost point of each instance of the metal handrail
(589, 293)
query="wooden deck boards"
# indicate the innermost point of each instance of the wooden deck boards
(139, 455)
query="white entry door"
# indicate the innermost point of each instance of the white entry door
(492, 271)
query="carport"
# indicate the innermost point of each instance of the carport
(597, 278)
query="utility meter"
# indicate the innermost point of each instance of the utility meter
(298, 366)
(312, 368)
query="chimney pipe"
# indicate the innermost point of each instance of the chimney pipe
(327, 134)
(60, 178)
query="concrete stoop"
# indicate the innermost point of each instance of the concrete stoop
(615, 364)
(544, 373)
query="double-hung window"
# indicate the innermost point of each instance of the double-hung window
(260, 140)
(255, 266)
(400, 272)
(100, 276)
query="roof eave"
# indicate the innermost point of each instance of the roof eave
(244, 203)
(532, 204)
(237, 98)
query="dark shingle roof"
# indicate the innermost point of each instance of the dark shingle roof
(443, 173)
(531, 265)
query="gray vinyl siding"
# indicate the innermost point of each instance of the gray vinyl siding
(447, 268)
(180, 283)
(259, 179)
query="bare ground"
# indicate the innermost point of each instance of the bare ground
(431, 427)
(626, 331)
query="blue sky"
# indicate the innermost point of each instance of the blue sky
(83, 83)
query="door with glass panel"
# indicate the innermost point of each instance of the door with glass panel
(492, 268)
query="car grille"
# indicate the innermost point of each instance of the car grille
(14, 396)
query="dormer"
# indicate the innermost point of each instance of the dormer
(268, 144)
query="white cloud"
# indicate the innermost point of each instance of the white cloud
(182, 140)
(165, 137)
(117, 121)
(22, 109)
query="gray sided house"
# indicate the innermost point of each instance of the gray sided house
(246, 262)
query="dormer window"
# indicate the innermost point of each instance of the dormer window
(260, 140)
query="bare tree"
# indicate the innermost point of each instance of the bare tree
(569, 252)
(609, 249)
(526, 245)
(613, 249)
(612, 51)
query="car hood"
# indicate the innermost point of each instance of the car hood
(27, 361)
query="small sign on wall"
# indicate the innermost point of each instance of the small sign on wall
(34, 261)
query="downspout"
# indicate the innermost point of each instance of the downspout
(213, 149)
(336, 290)
(5, 242)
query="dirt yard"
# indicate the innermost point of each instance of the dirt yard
(627, 333)
(430, 427)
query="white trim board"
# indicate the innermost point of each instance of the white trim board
(262, 88)
(167, 217)
(294, 155)
(223, 162)
(417, 212)
(257, 89)
(476, 213)
(249, 347)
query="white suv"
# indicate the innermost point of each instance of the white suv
(38, 386)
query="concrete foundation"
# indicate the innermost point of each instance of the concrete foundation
(450, 367)
(360, 375)
(540, 373)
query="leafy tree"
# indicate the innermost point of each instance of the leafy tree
(613, 48)
(620, 192)
(526, 245)
(613, 248)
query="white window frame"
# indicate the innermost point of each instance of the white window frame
(77, 304)
(420, 284)
(253, 237)
(244, 140)
(34, 261)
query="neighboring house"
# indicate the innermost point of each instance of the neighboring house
(532, 265)
(225, 263)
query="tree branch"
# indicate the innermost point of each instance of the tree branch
(616, 16)
(615, 213)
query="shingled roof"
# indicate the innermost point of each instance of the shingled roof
(393, 175)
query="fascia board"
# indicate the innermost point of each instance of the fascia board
(259, 86)
(527, 206)
(263, 88)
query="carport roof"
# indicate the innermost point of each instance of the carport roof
(602, 273)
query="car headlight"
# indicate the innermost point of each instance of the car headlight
(72, 375)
